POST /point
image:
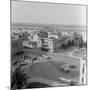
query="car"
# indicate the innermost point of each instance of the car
(40, 58)
(35, 58)
(46, 57)
(23, 64)
(84, 58)
(65, 68)
(64, 80)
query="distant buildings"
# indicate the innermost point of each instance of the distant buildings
(34, 38)
(43, 34)
(50, 41)
(53, 35)
(29, 44)
(65, 33)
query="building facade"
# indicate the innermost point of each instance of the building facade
(47, 45)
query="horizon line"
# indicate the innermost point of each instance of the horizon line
(46, 24)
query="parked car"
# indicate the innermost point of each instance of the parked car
(34, 58)
(23, 63)
(46, 57)
(65, 68)
(64, 80)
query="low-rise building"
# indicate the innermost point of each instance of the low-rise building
(65, 33)
(33, 37)
(53, 35)
(29, 44)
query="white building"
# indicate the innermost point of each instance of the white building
(29, 44)
(39, 43)
(65, 33)
(15, 34)
(34, 38)
(48, 44)
(53, 35)
(83, 72)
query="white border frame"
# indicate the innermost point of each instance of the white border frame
(5, 43)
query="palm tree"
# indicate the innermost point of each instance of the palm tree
(18, 79)
(18, 76)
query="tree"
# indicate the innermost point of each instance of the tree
(69, 43)
(63, 46)
(72, 43)
(18, 79)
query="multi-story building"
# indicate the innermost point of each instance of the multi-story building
(52, 45)
(57, 43)
(16, 46)
(78, 40)
(47, 45)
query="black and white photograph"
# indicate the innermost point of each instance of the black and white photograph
(48, 44)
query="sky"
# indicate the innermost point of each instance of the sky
(47, 13)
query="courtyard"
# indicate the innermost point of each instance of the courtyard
(52, 69)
